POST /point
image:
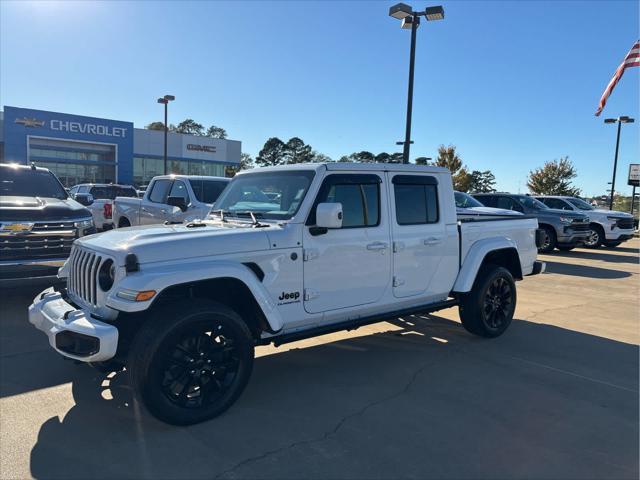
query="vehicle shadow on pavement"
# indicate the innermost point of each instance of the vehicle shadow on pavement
(598, 255)
(426, 400)
(627, 250)
(584, 270)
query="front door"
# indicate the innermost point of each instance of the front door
(351, 265)
(420, 242)
(153, 208)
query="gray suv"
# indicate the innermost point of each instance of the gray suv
(562, 229)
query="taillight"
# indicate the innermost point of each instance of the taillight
(107, 210)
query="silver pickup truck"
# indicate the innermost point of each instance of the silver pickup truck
(172, 198)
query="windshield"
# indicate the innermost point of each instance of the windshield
(581, 204)
(112, 191)
(464, 200)
(530, 202)
(24, 182)
(207, 191)
(270, 195)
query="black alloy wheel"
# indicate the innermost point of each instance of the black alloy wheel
(498, 303)
(200, 368)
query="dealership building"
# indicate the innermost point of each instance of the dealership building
(81, 149)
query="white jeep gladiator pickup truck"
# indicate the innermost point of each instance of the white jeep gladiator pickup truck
(169, 198)
(288, 253)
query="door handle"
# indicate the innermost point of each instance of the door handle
(432, 241)
(377, 246)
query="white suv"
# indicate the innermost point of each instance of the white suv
(608, 227)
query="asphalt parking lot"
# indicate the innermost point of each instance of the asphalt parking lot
(555, 397)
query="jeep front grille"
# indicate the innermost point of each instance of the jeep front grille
(82, 281)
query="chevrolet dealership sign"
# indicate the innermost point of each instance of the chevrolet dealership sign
(75, 127)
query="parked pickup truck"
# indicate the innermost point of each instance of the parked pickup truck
(170, 198)
(561, 229)
(329, 247)
(38, 224)
(607, 227)
(99, 200)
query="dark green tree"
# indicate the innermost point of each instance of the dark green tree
(554, 178)
(272, 153)
(383, 157)
(190, 127)
(296, 151)
(321, 157)
(216, 132)
(482, 182)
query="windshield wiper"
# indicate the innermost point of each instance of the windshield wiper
(222, 213)
(254, 217)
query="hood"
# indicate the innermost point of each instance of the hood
(556, 212)
(486, 210)
(610, 213)
(154, 243)
(40, 209)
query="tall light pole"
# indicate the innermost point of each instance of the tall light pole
(411, 19)
(165, 100)
(619, 121)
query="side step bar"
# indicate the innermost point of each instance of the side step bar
(356, 323)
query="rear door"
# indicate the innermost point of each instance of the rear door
(420, 241)
(153, 208)
(351, 265)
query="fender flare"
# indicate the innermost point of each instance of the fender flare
(164, 276)
(474, 258)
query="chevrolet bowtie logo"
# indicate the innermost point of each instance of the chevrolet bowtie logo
(30, 122)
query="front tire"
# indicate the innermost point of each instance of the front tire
(549, 240)
(191, 364)
(566, 248)
(488, 309)
(595, 238)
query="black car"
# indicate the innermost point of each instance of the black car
(38, 224)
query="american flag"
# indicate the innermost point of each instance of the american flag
(631, 60)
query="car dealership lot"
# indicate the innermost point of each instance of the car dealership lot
(556, 396)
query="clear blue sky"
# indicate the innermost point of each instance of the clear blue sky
(511, 84)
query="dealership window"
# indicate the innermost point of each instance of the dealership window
(145, 168)
(71, 174)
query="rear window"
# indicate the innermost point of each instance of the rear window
(112, 191)
(207, 191)
(24, 182)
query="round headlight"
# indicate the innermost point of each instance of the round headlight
(107, 275)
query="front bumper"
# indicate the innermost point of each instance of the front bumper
(15, 273)
(619, 235)
(72, 331)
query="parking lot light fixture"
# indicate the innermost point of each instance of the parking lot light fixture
(620, 120)
(165, 101)
(400, 11)
(434, 13)
(411, 20)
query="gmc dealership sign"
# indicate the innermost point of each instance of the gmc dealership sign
(201, 148)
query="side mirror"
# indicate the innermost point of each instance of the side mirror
(85, 199)
(177, 202)
(329, 215)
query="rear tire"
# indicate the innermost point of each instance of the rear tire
(487, 310)
(124, 222)
(190, 364)
(595, 238)
(549, 240)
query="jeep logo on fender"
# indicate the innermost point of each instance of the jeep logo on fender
(289, 296)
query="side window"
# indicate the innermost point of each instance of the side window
(179, 189)
(505, 203)
(159, 191)
(73, 191)
(359, 196)
(556, 203)
(83, 189)
(486, 200)
(416, 199)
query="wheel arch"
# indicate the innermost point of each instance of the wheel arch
(500, 251)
